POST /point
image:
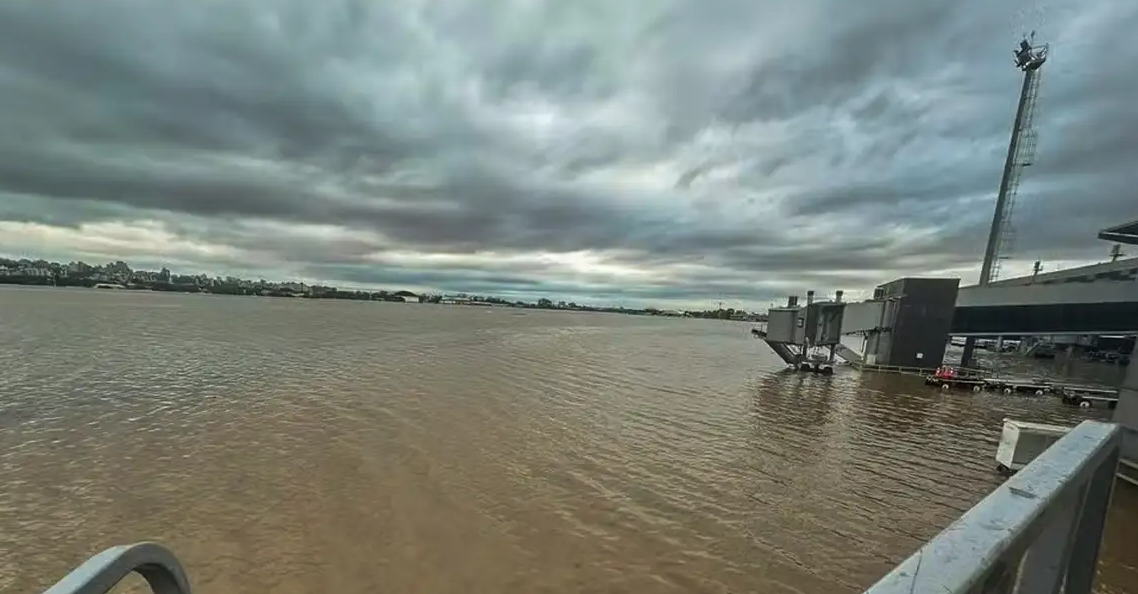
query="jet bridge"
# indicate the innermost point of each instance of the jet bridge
(863, 318)
(806, 336)
(905, 324)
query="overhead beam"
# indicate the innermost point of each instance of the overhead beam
(1053, 318)
(1057, 294)
(1127, 233)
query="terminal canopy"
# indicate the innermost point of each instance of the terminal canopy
(1127, 233)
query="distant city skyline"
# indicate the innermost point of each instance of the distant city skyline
(571, 293)
(29, 270)
(121, 271)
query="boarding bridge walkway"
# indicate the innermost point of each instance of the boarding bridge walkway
(790, 357)
(847, 354)
(780, 349)
(1109, 307)
(1038, 532)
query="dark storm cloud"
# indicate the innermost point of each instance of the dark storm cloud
(772, 143)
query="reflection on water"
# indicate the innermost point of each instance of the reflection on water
(299, 446)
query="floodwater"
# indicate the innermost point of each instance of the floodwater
(295, 446)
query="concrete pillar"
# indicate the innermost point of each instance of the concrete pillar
(1127, 412)
(966, 354)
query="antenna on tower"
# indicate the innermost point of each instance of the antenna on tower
(1029, 58)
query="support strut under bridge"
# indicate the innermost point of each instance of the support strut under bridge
(793, 354)
(783, 350)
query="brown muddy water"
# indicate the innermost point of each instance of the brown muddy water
(294, 446)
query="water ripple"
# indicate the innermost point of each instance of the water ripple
(298, 446)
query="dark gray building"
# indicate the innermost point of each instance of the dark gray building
(916, 318)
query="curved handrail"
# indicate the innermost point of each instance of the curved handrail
(156, 564)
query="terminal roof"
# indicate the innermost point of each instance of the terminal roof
(1126, 233)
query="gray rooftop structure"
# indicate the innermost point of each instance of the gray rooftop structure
(1126, 233)
(1096, 299)
(1120, 270)
(1125, 269)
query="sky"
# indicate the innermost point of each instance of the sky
(649, 152)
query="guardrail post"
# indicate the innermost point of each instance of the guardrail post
(1126, 414)
(1045, 563)
(1088, 535)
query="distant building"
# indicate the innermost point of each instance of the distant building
(407, 296)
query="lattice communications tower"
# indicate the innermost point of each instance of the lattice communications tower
(1029, 58)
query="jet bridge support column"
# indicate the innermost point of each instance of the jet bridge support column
(1127, 413)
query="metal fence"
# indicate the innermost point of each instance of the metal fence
(1128, 471)
(910, 370)
(1038, 532)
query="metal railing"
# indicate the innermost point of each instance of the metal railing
(1128, 471)
(101, 573)
(1038, 532)
(902, 369)
(914, 370)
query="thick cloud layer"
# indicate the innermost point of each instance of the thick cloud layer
(640, 151)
